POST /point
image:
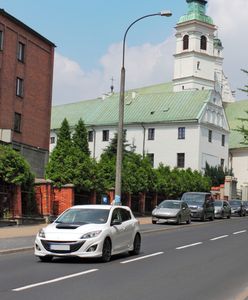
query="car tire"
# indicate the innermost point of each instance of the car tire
(203, 218)
(154, 222)
(189, 220)
(178, 220)
(106, 250)
(45, 258)
(136, 245)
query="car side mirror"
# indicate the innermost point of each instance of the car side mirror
(115, 222)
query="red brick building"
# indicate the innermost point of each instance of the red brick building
(26, 76)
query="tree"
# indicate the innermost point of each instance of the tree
(245, 89)
(243, 129)
(217, 174)
(59, 168)
(13, 167)
(80, 138)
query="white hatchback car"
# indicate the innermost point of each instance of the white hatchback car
(90, 231)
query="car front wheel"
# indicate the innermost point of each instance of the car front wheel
(106, 250)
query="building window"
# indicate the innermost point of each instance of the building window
(223, 138)
(180, 160)
(210, 133)
(186, 42)
(19, 87)
(151, 133)
(203, 42)
(151, 158)
(52, 140)
(17, 122)
(90, 136)
(105, 135)
(21, 52)
(1, 40)
(181, 133)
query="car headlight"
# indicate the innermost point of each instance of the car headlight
(91, 234)
(41, 233)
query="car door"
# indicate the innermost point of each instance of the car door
(118, 231)
(128, 222)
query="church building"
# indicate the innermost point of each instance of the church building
(182, 123)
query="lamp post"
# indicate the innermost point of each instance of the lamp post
(119, 156)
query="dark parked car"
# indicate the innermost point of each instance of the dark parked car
(237, 207)
(246, 206)
(200, 204)
(171, 211)
(222, 209)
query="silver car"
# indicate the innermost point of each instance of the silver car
(176, 211)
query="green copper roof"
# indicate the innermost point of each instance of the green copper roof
(196, 11)
(233, 112)
(152, 104)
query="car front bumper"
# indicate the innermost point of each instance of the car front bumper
(79, 248)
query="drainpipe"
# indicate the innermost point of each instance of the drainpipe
(94, 143)
(144, 140)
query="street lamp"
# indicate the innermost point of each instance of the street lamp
(121, 110)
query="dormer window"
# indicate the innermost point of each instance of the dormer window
(186, 42)
(203, 42)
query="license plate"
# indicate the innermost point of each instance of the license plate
(59, 247)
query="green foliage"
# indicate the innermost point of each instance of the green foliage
(70, 161)
(80, 139)
(59, 168)
(217, 174)
(13, 167)
(243, 129)
(245, 89)
(173, 183)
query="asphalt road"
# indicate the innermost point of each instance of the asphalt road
(205, 261)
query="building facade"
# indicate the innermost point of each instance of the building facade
(26, 75)
(180, 124)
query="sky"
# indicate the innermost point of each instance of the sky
(88, 36)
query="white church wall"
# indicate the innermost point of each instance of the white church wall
(239, 163)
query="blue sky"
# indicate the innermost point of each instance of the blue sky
(88, 36)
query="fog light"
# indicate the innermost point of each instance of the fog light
(92, 248)
(37, 247)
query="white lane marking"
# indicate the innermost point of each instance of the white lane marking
(219, 237)
(187, 246)
(141, 257)
(53, 280)
(238, 232)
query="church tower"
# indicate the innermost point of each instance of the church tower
(198, 58)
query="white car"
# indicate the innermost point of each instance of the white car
(90, 231)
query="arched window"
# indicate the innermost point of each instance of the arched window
(203, 42)
(185, 42)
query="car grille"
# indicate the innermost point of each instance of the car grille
(73, 246)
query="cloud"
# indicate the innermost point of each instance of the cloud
(145, 65)
(231, 20)
(149, 64)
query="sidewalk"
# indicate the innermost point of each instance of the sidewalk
(19, 238)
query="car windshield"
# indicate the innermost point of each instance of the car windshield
(217, 203)
(235, 203)
(169, 204)
(193, 199)
(84, 216)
